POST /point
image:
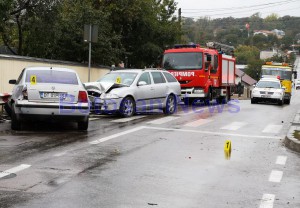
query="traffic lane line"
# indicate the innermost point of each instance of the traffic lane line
(198, 122)
(267, 201)
(163, 120)
(281, 160)
(14, 170)
(123, 120)
(234, 126)
(213, 133)
(98, 141)
(275, 176)
(272, 129)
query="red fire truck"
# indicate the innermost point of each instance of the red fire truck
(204, 73)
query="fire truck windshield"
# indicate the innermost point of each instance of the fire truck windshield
(182, 61)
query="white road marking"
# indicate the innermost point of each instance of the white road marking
(275, 176)
(212, 133)
(267, 201)
(281, 160)
(272, 129)
(189, 112)
(234, 126)
(60, 154)
(123, 120)
(163, 120)
(98, 141)
(14, 170)
(198, 122)
(93, 119)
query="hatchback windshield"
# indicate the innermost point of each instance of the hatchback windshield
(125, 78)
(52, 76)
(180, 61)
(268, 84)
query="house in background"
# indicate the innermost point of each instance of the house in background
(244, 83)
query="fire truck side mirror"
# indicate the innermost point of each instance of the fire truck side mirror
(159, 61)
(207, 65)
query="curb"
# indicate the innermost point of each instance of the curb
(290, 141)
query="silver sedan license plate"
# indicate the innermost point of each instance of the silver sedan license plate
(53, 95)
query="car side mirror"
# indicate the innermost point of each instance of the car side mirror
(12, 81)
(142, 83)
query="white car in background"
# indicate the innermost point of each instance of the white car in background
(48, 93)
(268, 90)
(127, 91)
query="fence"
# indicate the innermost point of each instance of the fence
(11, 67)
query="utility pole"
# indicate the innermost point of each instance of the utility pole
(90, 35)
(179, 22)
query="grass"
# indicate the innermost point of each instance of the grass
(296, 134)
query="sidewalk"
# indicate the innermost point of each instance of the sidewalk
(242, 97)
(290, 141)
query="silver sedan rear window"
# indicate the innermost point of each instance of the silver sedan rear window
(52, 76)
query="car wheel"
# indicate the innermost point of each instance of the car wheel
(127, 107)
(171, 105)
(252, 101)
(83, 125)
(7, 108)
(15, 122)
(280, 102)
(287, 101)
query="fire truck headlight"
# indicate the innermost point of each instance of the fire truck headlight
(198, 91)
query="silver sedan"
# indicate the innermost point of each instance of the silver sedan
(131, 90)
(49, 93)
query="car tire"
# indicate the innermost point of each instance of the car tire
(287, 101)
(280, 102)
(7, 109)
(83, 125)
(127, 107)
(252, 101)
(16, 124)
(171, 105)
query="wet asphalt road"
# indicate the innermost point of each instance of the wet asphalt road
(155, 161)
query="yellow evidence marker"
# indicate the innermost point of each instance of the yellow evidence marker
(33, 79)
(118, 80)
(227, 149)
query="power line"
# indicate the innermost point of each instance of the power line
(240, 12)
(252, 6)
(244, 9)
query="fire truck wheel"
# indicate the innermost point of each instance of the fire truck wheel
(171, 105)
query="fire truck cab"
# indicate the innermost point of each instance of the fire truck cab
(203, 73)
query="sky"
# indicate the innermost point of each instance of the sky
(237, 8)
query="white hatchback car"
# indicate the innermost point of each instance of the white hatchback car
(268, 90)
(127, 91)
(49, 93)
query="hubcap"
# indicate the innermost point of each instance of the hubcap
(128, 107)
(171, 104)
